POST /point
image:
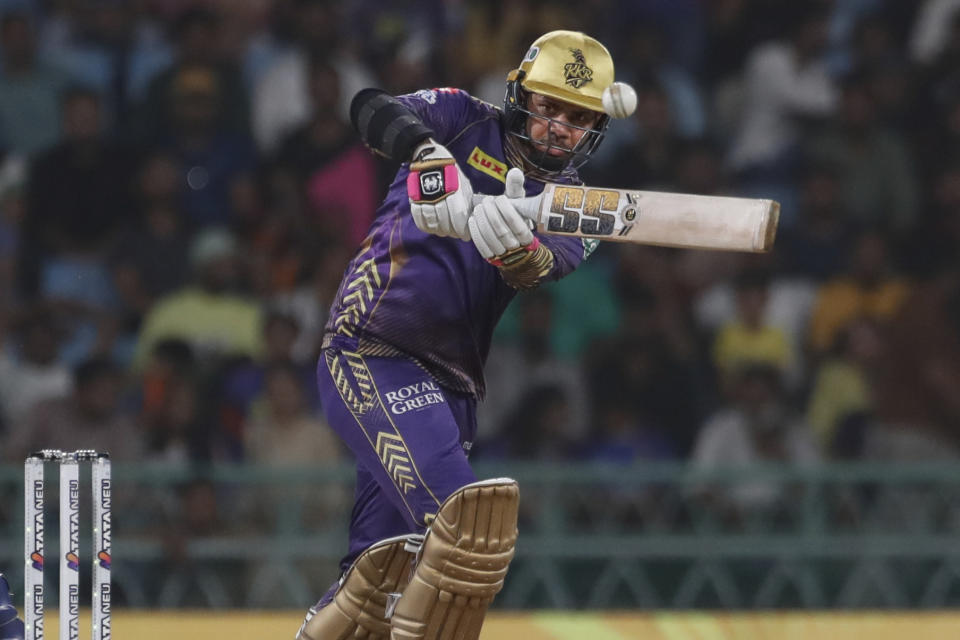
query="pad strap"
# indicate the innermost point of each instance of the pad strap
(387, 126)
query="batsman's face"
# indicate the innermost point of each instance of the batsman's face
(556, 126)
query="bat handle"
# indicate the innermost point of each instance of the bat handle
(528, 207)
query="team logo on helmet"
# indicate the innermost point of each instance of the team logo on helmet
(577, 73)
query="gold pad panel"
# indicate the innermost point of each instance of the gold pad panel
(358, 610)
(462, 566)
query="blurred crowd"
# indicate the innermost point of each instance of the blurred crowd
(180, 190)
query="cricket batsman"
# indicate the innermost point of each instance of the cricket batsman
(401, 369)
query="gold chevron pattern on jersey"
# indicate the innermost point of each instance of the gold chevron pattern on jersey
(396, 459)
(361, 375)
(359, 404)
(357, 296)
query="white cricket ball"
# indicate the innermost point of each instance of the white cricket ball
(619, 100)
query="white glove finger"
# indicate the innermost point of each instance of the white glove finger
(504, 233)
(509, 243)
(512, 218)
(491, 211)
(460, 207)
(416, 212)
(514, 187)
(442, 209)
(478, 240)
(487, 231)
(428, 215)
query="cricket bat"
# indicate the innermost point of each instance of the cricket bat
(653, 217)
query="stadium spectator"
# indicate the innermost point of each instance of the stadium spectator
(651, 63)
(932, 31)
(109, 46)
(283, 427)
(196, 36)
(789, 299)
(517, 366)
(646, 380)
(877, 183)
(170, 410)
(311, 290)
(177, 431)
(198, 512)
(150, 257)
(755, 427)
(869, 287)
(918, 379)
(34, 373)
(208, 312)
(245, 382)
(29, 89)
(840, 408)
(785, 85)
(537, 428)
(215, 160)
(748, 337)
(817, 245)
(281, 99)
(91, 417)
(79, 197)
(13, 178)
(323, 154)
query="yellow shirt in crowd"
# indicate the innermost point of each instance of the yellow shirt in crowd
(737, 344)
(843, 301)
(213, 324)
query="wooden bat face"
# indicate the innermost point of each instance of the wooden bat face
(653, 217)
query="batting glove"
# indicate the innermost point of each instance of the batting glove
(496, 226)
(441, 197)
(503, 236)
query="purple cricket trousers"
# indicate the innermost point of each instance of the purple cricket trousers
(410, 437)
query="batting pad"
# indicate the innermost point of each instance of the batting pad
(358, 609)
(462, 565)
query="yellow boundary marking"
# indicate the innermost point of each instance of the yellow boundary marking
(576, 627)
(229, 625)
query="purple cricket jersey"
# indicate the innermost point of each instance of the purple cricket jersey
(429, 298)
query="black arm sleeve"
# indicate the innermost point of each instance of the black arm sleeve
(386, 125)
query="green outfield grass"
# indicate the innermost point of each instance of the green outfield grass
(281, 625)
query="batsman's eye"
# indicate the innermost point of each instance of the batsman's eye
(545, 107)
(582, 118)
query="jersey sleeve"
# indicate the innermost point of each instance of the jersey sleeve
(447, 110)
(568, 253)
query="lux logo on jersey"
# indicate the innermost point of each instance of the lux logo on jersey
(487, 164)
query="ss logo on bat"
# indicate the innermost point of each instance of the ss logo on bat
(588, 211)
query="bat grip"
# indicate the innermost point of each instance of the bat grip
(528, 207)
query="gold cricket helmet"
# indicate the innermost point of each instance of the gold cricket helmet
(569, 66)
(565, 65)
